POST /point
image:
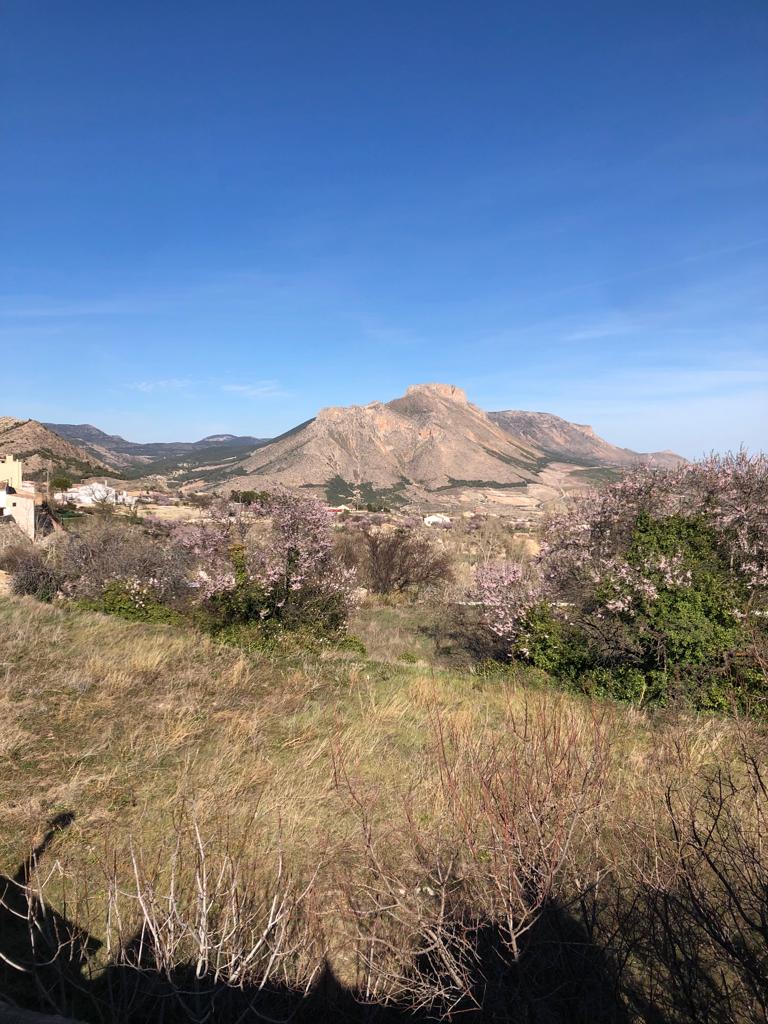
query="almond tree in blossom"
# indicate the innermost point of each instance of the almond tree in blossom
(296, 567)
(664, 572)
(271, 559)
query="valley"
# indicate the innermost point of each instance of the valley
(429, 450)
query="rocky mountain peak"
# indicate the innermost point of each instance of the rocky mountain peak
(449, 391)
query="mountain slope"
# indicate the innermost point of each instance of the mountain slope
(44, 450)
(573, 441)
(430, 446)
(156, 457)
(431, 439)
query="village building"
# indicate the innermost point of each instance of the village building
(437, 519)
(17, 496)
(11, 472)
(88, 495)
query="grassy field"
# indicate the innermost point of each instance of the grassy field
(126, 723)
(323, 765)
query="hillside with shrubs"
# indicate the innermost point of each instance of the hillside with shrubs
(300, 765)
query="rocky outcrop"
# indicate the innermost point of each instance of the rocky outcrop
(574, 441)
(431, 438)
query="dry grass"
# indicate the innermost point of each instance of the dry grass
(333, 765)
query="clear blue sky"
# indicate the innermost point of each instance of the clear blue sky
(222, 215)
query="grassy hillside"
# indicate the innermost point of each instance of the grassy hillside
(122, 723)
(365, 781)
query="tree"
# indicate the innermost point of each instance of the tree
(654, 587)
(296, 565)
(392, 561)
(271, 559)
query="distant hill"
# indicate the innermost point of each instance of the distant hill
(44, 450)
(574, 441)
(429, 448)
(159, 456)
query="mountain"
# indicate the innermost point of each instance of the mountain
(432, 437)
(88, 435)
(432, 446)
(159, 457)
(571, 442)
(43, 450)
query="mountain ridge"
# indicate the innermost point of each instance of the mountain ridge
(561, 438)
(430, 445)
(433, 445)
(121, 454)
(43, 450)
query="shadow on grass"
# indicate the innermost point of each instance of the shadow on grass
(661, 956)
(559, 976)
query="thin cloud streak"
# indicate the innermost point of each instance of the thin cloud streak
(654, 269)
(169, 384)
(260, 389)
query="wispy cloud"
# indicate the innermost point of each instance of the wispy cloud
(260, 389)
(607, 327)
(656, 268)
(166, 384)
(241, 287)
(45, 309)
(256, 389)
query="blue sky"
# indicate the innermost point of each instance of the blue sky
(224, 215)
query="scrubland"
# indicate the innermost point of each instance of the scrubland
(279, 766)
(316, 833)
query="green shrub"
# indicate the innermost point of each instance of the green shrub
(623, 683)
(665, 622)
(695, 622)
(352, 643)
(133, 601)
(271, 638)
(552, 644)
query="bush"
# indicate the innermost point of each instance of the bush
(271, 559)
(273, 639)
(134, 601)
(106, 550)
(392, 561)
(32, 572)
(248, 497)
(654, 589)
(295, 566)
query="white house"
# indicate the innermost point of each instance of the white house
(437, 519)
(96, 494)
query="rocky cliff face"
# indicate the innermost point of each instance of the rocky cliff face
(558, 438)
(432, 438)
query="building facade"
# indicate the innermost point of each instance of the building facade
(17, 498)
(11, 472)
